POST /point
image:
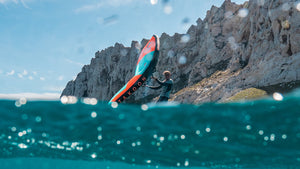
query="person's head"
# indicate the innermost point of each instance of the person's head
(167, 74)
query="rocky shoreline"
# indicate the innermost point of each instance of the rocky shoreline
(236, 47)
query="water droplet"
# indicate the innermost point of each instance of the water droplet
(248, 127)
(161, 139)
(207, 129)
(22, 146)
(182, 137)
(114, 105)
(23, 100)
(168, 9)
(93, 114)
(198, 132)
(266, 138)
(38, 119)
(186, 163)
(260, 132)
(225, 139)
(13, 129)
(228, 14)
(182, 60)
(99, 137)
(277, 96)
(284, 136)
(148, 161)
(286, 7)
(153, 2)
(119, 142)
(243, 12)
(185, 38)
(144, 107)
(298, 5)
(94, 155)
(171, 53)
(272, 137)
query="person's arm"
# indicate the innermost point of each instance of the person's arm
(154, 87)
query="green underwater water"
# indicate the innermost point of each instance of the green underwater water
(49, 134)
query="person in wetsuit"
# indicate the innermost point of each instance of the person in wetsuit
(166, 86)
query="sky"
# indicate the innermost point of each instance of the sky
(45, 43)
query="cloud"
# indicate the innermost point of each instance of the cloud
(31, 96)
(73, 62)
(12, 72)
(54, 88)
(107, 3)
(23, 2)
(61, 77)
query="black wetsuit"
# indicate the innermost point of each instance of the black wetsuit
(167, 86)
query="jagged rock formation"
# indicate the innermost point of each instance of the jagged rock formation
(256, 44)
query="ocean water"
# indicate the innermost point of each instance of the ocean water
(52, 135)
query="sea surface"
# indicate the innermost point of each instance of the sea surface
(93, 135)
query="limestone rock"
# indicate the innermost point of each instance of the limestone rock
(256, 44)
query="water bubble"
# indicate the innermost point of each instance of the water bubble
(284, 136)
(24, 116)
(138, 46)
(148, 161)
(23, 100)
(123, 52)
(138, 128)
(94, 155)
(99, 128)
(22, 146)
(121, 116)
(182, 137)
(185, 38)
(13, 129)
(45, 135)
(144, 107)
(228, 14)
(243, 12)
(114, 105)
(161, 139)
(260, 132)
(225, 139)
(207, 129)
(168, 9)
(155, 136)
(266, 138)
(20, 134)
(186, 162)
(272, 137)
(277, 96)
(171, 53)
(182, 60)
(18, 104)
(198, 132)
(248, 127)
(90, 101)
(64, 99)
(298, 5)
(99, 137)
(93, 114)
(286, 7)
(133, 144)
(38, 119)
(119, 142)
(178, 164)
(153, 2)
(233, 44)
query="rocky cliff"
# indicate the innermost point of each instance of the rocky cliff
(256, 44)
